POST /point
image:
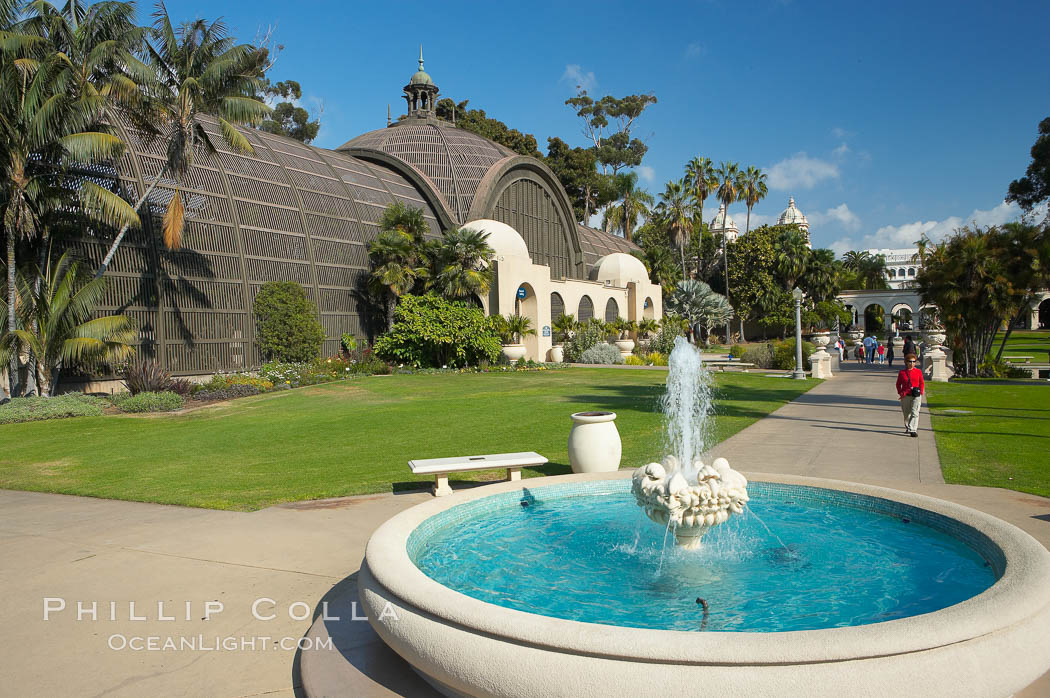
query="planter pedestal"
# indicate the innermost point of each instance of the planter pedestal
(820, 360)
(594, 443)
(626, 347)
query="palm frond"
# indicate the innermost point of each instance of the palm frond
(107, 207)
(174, 220)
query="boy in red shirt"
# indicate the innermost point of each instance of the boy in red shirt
(910, 388)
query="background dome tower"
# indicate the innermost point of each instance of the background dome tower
(791, 214)
(421, 93)
(715, 226)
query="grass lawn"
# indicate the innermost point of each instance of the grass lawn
(353, 437)
(1034, 343)
(1002, 440)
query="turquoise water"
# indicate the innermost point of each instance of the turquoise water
(596, 558)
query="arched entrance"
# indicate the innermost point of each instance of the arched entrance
(526, 305)
(1044, 315)
(875, 320)
(648, 312)
(612, 311)
(586, 309)
(904, 316)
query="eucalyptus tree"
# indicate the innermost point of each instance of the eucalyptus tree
(632, 203)
(676, 210)
(753, 189)
(728, 176)
(58, 72)
(198, 70)
(701, 183)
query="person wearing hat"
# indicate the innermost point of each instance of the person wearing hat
(910, 388)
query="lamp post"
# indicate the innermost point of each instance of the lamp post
(799, 374)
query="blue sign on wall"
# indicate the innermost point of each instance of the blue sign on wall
(546, 330)
(522, 292)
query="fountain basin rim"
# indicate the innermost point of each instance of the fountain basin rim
(1018, 595)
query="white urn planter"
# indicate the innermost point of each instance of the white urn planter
(855, 335)
(558, 353)
(820, 339)
(594, 443)
(513, 352)
(626, 346)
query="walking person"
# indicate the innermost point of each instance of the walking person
(889, 352)
(910, 389)
(858, 353)
(869, 348)
(909, 346)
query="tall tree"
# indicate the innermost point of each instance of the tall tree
(701, 181)
(728, 176)
(676, 211)
(460, 264)
(617, 149)
(577, 170)
(1034, 187)
(1025, 250)
(199, 70)
(632, 203)
(288, 118)
(753, 189)
(60, 70)
(793, 256)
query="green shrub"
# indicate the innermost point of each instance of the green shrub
(784, 354)
(147, 402)
(224, 381)
(288, 328)
(635, 360)
(432, 331)
(657, 358)
(761, 355)
(230, 393)
(146, 377)
(663, 342)
(601, 354)
(1000, 369)
(34, 409)
(588, 335)
(737, 351)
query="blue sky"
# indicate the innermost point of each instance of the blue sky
(883, 120)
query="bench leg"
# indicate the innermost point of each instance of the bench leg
(513, 474)
(441, 487)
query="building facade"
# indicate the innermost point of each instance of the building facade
(294, 212)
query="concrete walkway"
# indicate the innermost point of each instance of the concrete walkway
(289, 560)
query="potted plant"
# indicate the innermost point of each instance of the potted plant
(623, 329)
(564, 327)
(512, 329)
(647, 327)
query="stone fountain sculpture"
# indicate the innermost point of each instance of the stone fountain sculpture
(690, 506)
(682, 492)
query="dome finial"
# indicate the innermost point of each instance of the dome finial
(421, 56)
(791, 199)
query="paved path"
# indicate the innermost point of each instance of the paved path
(83, 549)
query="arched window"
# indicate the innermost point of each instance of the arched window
(557, 307)
(612, 311)
(900, 272)
(893, 273)
(911, 271)
(586, 310)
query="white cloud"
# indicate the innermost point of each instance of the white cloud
(840, 133)
(693, 50)
(841, 151)
(575, 76)
(906, 235)
(800, 172)
(840, 214)
(645, 172)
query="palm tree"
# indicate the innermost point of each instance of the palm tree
(729, 185)
(198, 70)
(396, 255)
(700, 306)
(49, 124)
(460, 264)
(753, 189)
(675, 209)
(514, 328)
(633, 203)
(793, 255)
(701, 182)
(57, 327)
(821, 276)
(659, 261)
(564, 325)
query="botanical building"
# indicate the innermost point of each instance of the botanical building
(289, 211)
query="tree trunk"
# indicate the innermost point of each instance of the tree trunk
(124, 229)
(742, 329)
(587, 205)
(700, 239)
(747, 226)
(725, 262)
(12, 369)
(1009, 329)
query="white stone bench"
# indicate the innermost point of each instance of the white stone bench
(441, 467)
(723, 364)
(1011, 359)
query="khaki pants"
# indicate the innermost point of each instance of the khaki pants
(910, 407)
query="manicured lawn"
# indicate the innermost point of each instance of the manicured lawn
(353, 437)
(1025, 343)
(1001, 440)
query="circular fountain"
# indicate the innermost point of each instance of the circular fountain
(563, 586)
